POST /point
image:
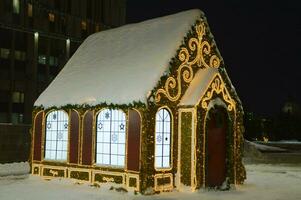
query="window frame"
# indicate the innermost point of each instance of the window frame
(124, 166)
(171, 140)
(45, 138)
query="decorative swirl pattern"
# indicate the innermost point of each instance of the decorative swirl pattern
(218, 86)
(202, 50)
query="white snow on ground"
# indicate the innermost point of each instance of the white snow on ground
(14, 168)
(120, 65)
(265, 182)
(262, 147)
(285, 142)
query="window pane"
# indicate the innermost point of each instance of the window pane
(165, 162)
(158, 150)
(121, 160)
(106, 159)
(121, 149)
(114, 149)
(106, 148)
(114, 160)
(99, 148)
(16, 6)
(166, 150)
(158, 162)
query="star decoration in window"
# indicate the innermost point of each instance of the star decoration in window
(99, 125)
(159, 138)
(121, 126)
(107, 115)
(60, 136)
(65, 125)
(48, 125)
(54, 116)
(114, 138)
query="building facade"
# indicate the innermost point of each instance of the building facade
(37, 37)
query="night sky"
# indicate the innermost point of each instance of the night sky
(259, 40)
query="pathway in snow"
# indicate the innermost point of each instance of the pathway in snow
(265, 182)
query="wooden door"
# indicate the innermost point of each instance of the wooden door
(216, 149)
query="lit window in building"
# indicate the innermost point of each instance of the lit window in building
(16, 6)
(162, 139)
(111, 138)
(51, 17)
(84, 25)
(20, 55)
(18, 97)
(56, 143)
(4, 53)
(42, 59)
(53, 61)
(17, 118)
(29, 10)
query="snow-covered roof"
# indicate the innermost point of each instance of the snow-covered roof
(198, 86)
(120, 65)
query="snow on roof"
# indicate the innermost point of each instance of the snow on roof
(120, 65)
(198, 86)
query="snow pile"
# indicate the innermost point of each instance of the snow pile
(9, 169)
(264, 182)
(266, 148)
(250, 151)
(120, 65)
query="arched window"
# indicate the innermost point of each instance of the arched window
(111, 137)
(162, 140)
(56, 143)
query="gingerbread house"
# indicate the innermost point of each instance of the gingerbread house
(148, 106)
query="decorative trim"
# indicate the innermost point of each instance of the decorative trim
(163, 187)
(107, 173)
(53, 170)
(193, 147)
(134, 176)
(199, 47)
(108, 176)
(217, 85)
(70, 170)
(34, 167)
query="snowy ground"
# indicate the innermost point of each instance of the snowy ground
(265, 182)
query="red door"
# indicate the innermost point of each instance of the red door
(216, 151)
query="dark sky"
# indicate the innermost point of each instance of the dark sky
(259, 40)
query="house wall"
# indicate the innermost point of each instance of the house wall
(186, 171)
(80, 164)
